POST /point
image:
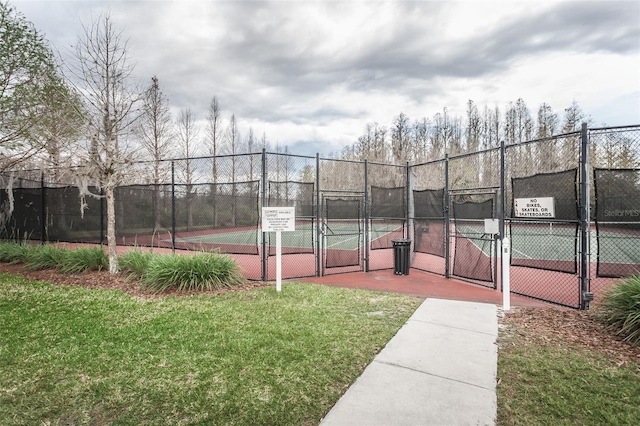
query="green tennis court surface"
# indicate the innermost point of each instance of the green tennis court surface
(343, 236)
(559, 243)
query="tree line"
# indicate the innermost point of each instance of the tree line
(483, 128)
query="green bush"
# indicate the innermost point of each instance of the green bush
(14, 252)
(83, 259)
(135, 263)
(620, 309)
(44, 257)
(204, 271)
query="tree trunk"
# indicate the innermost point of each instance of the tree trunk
(111, 229)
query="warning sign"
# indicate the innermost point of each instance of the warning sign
(276, 219)
(534, 207)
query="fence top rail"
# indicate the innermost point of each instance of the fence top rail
(290, 155)
(470, 154)
(614, 129)
(478, 190)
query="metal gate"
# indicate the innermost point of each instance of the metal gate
(342, 230)
(474, 251)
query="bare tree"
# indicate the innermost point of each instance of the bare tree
(518, 123)
(547, 122)
(232, 137)
(473, 127)
(250, 144)
(421, 134)
(213, 134)
(446, 135)
(187, 133)
(572, 122)
(401, 139)
(155, 131)
(102, 70)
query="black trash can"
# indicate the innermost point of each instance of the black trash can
(401, 252)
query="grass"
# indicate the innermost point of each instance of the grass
(620, 309)
(563, 384)
(204, 271)
(11, 252)
(38, 257)
(135, 262)
(72, 355)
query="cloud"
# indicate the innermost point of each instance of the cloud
(319, 71)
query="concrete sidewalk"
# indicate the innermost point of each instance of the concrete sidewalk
(439, 369)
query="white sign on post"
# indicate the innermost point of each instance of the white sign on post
(534, 207)
(278, 219)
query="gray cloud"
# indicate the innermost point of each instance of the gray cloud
(311, 63)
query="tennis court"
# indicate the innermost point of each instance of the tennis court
(342, 236)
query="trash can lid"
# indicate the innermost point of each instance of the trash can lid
(401, 241)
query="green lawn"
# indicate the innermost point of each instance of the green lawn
(71, 355)
(548, 380)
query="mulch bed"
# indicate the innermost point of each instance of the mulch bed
(106, 281)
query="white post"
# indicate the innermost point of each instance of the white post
(278, 261)
(506, 279)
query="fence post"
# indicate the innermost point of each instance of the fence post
(447, 222)
(406, 204)
(102, 209)
(505, 244)
(503, 203)
(318, 218)
(43, 209)
(585, 258)
(173, 206)
(265, 256)
(367, 213)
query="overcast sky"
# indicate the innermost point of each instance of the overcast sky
(311, 74)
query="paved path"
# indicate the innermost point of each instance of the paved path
(439, 369)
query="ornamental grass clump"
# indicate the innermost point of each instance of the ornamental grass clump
(44, 257)
(204, 271)
(83, 259)
(620, 309)
(14, 252)
(135, 263)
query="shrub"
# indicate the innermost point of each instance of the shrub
(204, 271)
(135, 263)
(83, 259)
(620, 309)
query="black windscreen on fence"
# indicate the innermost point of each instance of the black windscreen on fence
(429, 235)
(342, 231)
(472, 257)
(387, 216)
(300, 195)
(617, 221)
(143, 215)
(548, 243)
(388, 203)
(69, 220)
(21, 214)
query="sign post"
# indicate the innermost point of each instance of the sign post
(506, 278)
(278, 219)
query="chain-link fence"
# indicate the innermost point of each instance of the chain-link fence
(570, 205)
(560, 252)
(614, 201)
